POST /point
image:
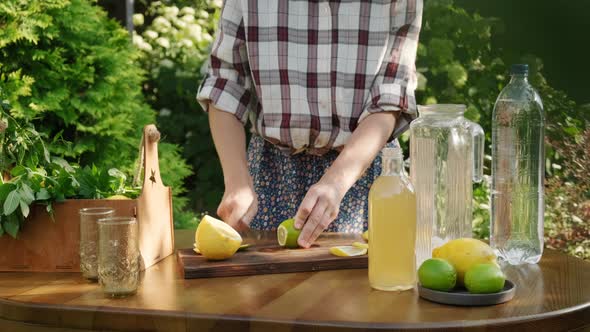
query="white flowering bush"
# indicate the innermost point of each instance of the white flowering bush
(175, 43)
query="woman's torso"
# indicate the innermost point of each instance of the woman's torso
(312, 64)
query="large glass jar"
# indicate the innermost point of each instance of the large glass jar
(446, 152)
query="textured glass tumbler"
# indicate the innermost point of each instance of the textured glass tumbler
(89, 239)
(118, 256)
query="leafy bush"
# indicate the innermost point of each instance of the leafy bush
(72, 73)
(174, 47)
(567, 214)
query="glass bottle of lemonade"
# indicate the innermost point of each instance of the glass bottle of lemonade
(392, 226)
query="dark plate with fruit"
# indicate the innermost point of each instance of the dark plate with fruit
(461, 297)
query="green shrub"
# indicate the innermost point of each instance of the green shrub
(174, 47)
(567, 213)
(73, 73)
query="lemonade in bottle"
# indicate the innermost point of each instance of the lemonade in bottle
(392, 226)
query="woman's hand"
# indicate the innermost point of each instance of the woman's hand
(238, 206)
(319, 208)
(322, 202)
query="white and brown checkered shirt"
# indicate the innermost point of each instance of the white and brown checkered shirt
(306, 72)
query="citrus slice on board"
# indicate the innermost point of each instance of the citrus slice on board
(347, 251)
(366, 235)
(360, 245)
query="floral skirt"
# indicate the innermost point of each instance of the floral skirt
(281, 181)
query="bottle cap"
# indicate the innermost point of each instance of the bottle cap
(392, 153)
(519, 69)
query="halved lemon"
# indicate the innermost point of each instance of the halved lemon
(217, 240)
(360, 245)
(366, 235)
(347, 251)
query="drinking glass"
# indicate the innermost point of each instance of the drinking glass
(89, 239)
(118, 256)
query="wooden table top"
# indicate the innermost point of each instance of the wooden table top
(551, 296)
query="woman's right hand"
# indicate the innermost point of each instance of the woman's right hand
(239, 203)
(238, 206)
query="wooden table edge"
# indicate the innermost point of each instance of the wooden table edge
(16, 309)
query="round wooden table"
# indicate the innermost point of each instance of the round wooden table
(551, 296)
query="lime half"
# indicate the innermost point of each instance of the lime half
(287, 234)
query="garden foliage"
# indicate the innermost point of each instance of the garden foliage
(174, 46)
(74, 75)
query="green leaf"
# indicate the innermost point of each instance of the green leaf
(11, 202)
(46, 154)
(5, 189)
(63, 163)
(11, 225)
(18, 170)
(43, 194)
(50, 211)
(1, 229)
(24, 208)
(27, 193)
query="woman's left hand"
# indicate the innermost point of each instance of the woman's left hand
(319, 208)
(322, 202)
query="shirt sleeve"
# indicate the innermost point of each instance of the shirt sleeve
(227, 84)
(393, 88)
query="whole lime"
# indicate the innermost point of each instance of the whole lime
(287, 234)
(484, 278)
(437, 274)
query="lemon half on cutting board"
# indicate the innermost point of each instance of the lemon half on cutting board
(216, 240)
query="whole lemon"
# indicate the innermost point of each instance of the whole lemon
(464, 253)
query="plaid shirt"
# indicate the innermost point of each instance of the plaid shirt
(306, 72)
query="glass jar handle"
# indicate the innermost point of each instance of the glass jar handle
(478, 137)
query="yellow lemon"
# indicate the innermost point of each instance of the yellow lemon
(360, 245)
(347, 251)
(118, 197)
(216, 240)
(366, 235)
(465, 253)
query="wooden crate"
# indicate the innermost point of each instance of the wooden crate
(44, 245)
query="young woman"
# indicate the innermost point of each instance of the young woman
(325, 85)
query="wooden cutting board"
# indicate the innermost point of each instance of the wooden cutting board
(265, 257)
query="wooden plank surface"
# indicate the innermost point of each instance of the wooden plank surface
(265, 256)
(551, 296)
(47, 245)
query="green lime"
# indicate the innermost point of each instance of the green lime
(437, 274)
(287, 234)
(484, 278)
